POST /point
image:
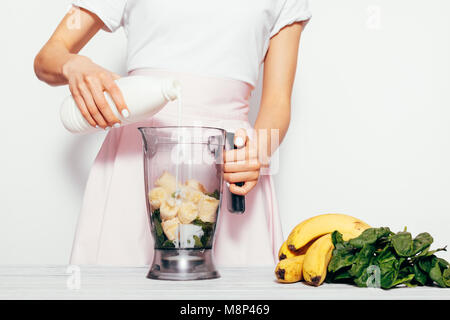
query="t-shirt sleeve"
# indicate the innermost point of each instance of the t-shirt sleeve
(291, 11)
(109, 11)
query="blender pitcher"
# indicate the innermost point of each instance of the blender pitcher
(183, 172)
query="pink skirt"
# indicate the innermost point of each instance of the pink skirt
(113, 226)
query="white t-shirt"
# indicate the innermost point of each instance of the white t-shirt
(219, 38)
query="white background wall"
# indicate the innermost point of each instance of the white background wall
(369, 136)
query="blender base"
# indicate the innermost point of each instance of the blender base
(183, 264)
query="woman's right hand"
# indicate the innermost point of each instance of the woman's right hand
(88, 82)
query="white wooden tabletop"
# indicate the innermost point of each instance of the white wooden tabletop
(59, 282)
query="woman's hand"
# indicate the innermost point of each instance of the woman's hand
(57, 63)
(242, 165)
(88, 82)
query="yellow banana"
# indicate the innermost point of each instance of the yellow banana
(188, 212)
(290, 269)
(316, 260)
(318, 257)
(169, 209)
(320, 225)
(190, 194)
(207, 209)
(284, 252)
(196, 185)
(170, 228)
(167, 181)
(157, 196)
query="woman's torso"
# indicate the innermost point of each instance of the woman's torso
(216, 47)
(227, 39)
(206, 37)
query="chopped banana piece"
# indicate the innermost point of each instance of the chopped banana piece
(172, 202)
(196, 185)
(208, 209)
(167, 181)
(188, 212)
(168, 209)
(157, 196)
(191, 194)
(170, 228)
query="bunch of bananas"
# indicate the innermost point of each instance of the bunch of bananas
(307, 251)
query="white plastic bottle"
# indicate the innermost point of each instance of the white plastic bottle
(143, 95)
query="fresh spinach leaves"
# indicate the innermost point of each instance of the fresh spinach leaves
(215, 194)
(397, 259)
(208, 231)
(161, 240)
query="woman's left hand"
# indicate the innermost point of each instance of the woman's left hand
(241, 164)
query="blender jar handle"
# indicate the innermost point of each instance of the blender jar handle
(236, 203)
